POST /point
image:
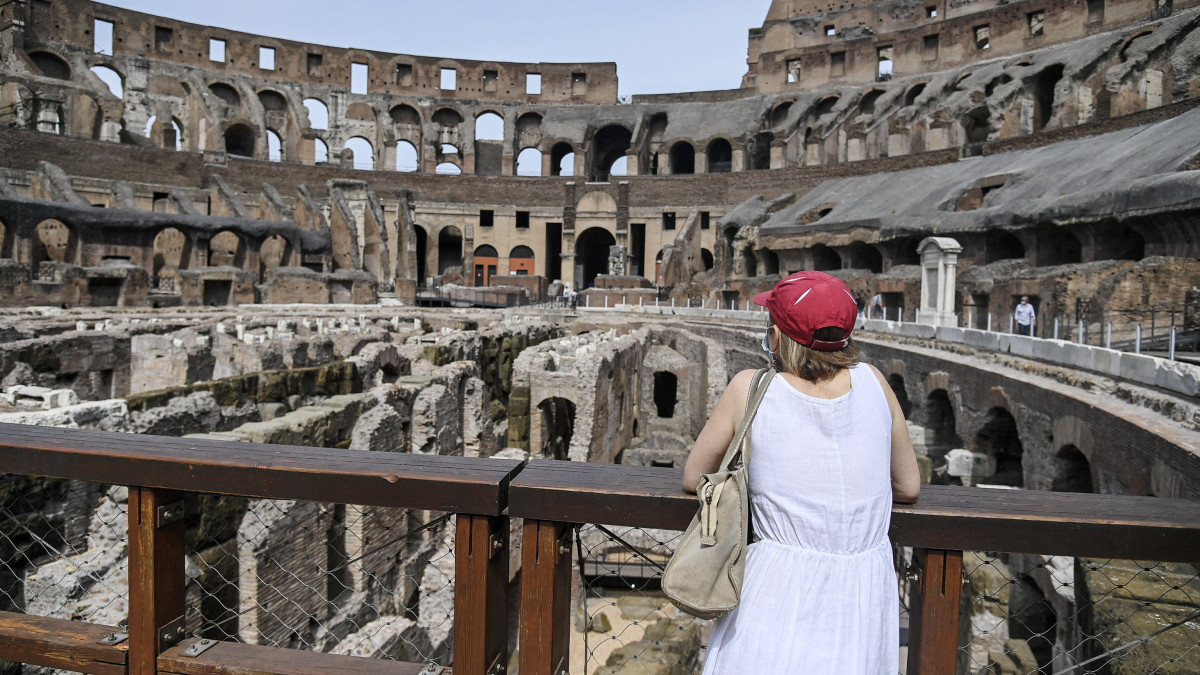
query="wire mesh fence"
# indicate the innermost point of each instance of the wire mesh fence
(63, 549)
(622, 622)
(1043, 615)
(342, 579)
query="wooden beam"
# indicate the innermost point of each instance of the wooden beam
(454, 484)
(934, 612)
(545, 597)
(480, 594)
(232, 658)
(57, 643)
(156, 577)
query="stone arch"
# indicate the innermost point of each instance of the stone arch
(666, 393)
(824, 106)
(529, 162)
(172, 251)
(226, 93)
(320, 151)
(864, 256)
(274, 146)
(447, 119)
(54, 241)
(866, 104)
(780, 112)
(683, 158)
(275, 251)
(896, 382)
(450, 249)
(1117, 241)
(529, 130)
(913, 92)
(407, 157)
(706, 257)
(487, 261)
(1000, 438)
(227, 249)
(609, 145)
(1002, 245)
(363, 152)
(825, 259)
(941, 426)
(591, 255)
(1072, 472)
(562, 159)
(272, 101)
(1057, 245)
(51, 65)
(489, 126)
(521, 260)
(405, 115)
(720, 156)
(111, 78)
(318, 113)
(557, 427)
(240, 140)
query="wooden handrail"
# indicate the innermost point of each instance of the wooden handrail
(456, 484)
(946, 517)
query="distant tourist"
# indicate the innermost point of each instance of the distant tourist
(860, 303)
(830, 453)
(877, 307)
(566, 296)
(1025, 316)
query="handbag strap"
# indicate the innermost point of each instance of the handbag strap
(758, 390)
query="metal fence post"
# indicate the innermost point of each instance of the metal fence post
(480, 594)
(1172, 344)
(156, 576)
(934, 614)
(1108, 336)
(545, 597)
(1137, 339)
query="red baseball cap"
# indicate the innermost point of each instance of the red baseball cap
(806, 302)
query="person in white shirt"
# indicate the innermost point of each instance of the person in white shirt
(1025, 316)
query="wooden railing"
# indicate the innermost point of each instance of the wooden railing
(551, 496)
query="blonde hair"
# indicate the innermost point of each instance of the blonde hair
(815, 365)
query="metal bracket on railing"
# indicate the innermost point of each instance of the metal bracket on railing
(114, 638)
(199, 647)
(173, 632)
(497, 668)
(432, 669)
(169, 513)
(564, 542)
(495, 544)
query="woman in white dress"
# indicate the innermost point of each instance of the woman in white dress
(830, 453)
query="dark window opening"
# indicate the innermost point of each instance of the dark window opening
(668, 220)
(983, 37)
(931, 12)
(217, 293)
(704, 220)
(239, 140)
(720, 156)
(683, 158)
(522, 220)
(558, 426)
(578, 84)
(883, 71)
(314, 62)
(837, 64)
(1072, 471)
(591, 255)
(666, 387)
(1000, 439)
(163, 38)
(450, 252)
(706, 257)
(404, 73)
(1095, 11)
(490, 80)
(793, 70)
(930, 48)
(553, 250)
(487, 218)
(637, 248)
(1033, 620)
(1037, 22)
(896, 382)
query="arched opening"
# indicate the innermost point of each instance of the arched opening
(318, 113)
(1031, 617)
(1118, 242)
(177, 130)
(562, 160)
(825, 106)
(1043, 94)
(706, 256)
(240, 140)
(896, 382)
(529, 162)
(825, 259)
(274, 147)
(320, 151)
(760, 157)
(422, 245)
(4, 252)
(450, 249)
(447, 119)
(1004, 79)
(866, 105)
(405, 115)
(272, 101)
(113, 79)
(658, 264)
(768, 260)
(226, 93)
(779, 113)
(666, 389)
(976, 128)
(1002, 245)
(529, 130)
(53, 241)
(913, 92)
(489, 127)
(274, 252)
(226, 249)
(863, 256)
(406, 157)
(172, 252)
(619, 167)
(487, 261)
(941, 429)
(363, 152)
(1072, 471)
(1056, 245)
(999, 438)
(521, 261)
(558, 425)
(591, 255)
(150, 126)
(608, 146)
(51, 65)
(683, 158)
(750, 262)
(720, 156)
(447, 169)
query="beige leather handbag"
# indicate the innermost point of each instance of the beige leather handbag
(704, 577)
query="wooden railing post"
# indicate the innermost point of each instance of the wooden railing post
(481, 595)
(156, 578)
(934, 612)
(545, 597)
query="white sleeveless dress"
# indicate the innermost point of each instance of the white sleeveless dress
(820, 595)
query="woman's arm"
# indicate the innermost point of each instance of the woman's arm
(906, 477)
(722, 425)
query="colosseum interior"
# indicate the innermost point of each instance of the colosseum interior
(230, 237)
